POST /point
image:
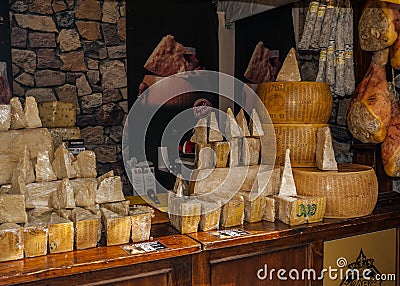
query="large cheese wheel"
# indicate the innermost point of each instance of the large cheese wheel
(296, 102)
(350, 192)
(301, 139)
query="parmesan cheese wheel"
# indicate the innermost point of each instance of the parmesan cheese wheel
(296, 102)
(350, 192)
(301, 139)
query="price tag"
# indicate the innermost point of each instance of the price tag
(229, 233)
(144, 247)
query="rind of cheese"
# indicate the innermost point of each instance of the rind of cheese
(11, 242)
(200, 132)
(44, 170)
(18, 120)
(222, 151)
(12, 209)
(290, 68)
(117, 228)
(85, 164)
(184, 214)
(325, 155)
(32, 113)
(214, 134)
(141, 225)
(63, 197)
(210, 216)
(55, 114)
(255, 125)
(288, 186)
(232, 213)
(62, 164)
(253, 207)
(250, 154)
(110, 190)
(86, 229)
(205, 156)
(242, 122)
(61, 234)
(35, 239)
(269, 211)
(360, 201)
(5, 117)
(58, 135)
(232, 129)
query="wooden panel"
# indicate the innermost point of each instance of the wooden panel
(258, 269)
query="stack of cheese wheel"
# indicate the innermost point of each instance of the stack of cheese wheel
(297, 110)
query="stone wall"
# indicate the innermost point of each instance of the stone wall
(75, 51)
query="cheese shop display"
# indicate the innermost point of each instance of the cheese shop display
(350, 192)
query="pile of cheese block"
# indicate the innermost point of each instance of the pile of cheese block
(228, 186)
(52, 202)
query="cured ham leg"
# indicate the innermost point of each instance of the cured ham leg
(391, 145)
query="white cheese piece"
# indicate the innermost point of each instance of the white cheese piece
(32, 113)
(5, 117)
(18, 120)
(232, 129)
(234, 156)
(62, 164)
(254, 206)
(200, 132)
(255, 125)
(325, 155)
(18, 185)
(269, 211)
(84, 192)
(205, 156)
(214, 134)
(110, 190)
(63, 197)
(43, 168)
(242, 122)
(24, 168)
(251, 148)
(12, 209)
(85, 164)
(290, 68)
(287, 187)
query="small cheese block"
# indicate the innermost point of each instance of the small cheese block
(95, 210)
(272, 186)
(11, 242)
(214, 134)
(63, 197)
(269, 211)
(232, 129)
(104, 176)
(12, 209)
(232, 213)
(141, 225)
(44, 170)
(62, 164)
(287, 187)
(210, 216)
(85, 164)
(184, 213)
(205, 156)
(61, 234)
(25, 167)
(64, 213)
(254, 206)
(222, 151)
(18, 186)
(5, 117)
(58, 135)
(251, 148)
(57, 114)
(200, 132)
(180, 187)
(84, 192)
(325, 155)
(18, 120)
(117, 228)
(255, 125)
(300, 209)
(120, 208)
(110, 190)
(242, 122)
(86, 228)
(290, 68)
(234, 155)
(35, 238)
(32, 113)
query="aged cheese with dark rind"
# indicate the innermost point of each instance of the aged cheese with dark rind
(85, 164)
(61, 234)
(11, 242)
(222, 150)
(214, 133)
(110, 190)
(86, 228)
(58, 135)
(63, 197)
(259, 68)
(370, 110)
(32, 113)
(12, 209)
(18, 120)
(55, 114)
(325, 155)
(117, 228)
(43, 169)
(141, 225)
(62, 164)
(5, 117)
(242, 122)
(290, 68)
(35, 238)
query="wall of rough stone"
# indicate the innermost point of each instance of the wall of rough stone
(75, 51)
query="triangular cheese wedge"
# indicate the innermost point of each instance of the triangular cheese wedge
(290, 68)
(232, 129)
(242, 121)
(214, 135)
(325, 155)
(43, 168)
(63, 197)
(200, 132)
(31, 112)
(18, 120)
(288, 187)
(255, 125)
(18, 186)
(62, 164)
